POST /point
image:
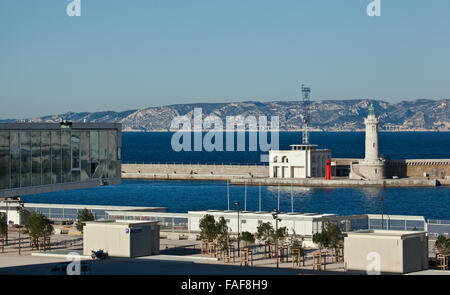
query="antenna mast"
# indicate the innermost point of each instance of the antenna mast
(306, 91)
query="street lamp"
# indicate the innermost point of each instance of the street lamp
(6, 233)
(239, 225)
(19, 211)
(275, 216)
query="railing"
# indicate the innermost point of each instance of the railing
(438, 227)
(191, 164)
(436, 221)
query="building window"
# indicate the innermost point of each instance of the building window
(76, 155)
(94, 153)
(15, 159)
(85, 172)
(25, 158)
(76, 151)
(4, 159)
(46, 157)
(36, 158)
(66, 155)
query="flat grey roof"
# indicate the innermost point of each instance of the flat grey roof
(121, 222)
(93, 207)
(386, 233)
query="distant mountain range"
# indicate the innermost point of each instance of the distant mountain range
(326, 115)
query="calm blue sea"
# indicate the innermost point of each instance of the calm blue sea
(181, 196)
(156, 147)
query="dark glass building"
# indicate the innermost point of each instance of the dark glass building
(45, 157)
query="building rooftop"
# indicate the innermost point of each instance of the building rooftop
(121, 222)
(386, 233)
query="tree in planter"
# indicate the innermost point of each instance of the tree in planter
(39, 226)
(443, 245)
(335, 238)
(281, 235)
(25, 216)
(247, 237)
(321, 239)
(331, 237)
(208, 228)
(3, 224)
(296, 242)
(265, 231)
(223, 235)
(82, 217)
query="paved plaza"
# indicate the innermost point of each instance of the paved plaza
(182, 257)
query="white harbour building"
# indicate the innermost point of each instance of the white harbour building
(302, 161)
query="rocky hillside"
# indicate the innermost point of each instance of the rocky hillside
(327, 115)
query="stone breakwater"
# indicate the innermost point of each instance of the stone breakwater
(259, 175)
(193, 172)
(339, 182)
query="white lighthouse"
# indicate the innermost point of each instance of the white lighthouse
(372, 167)
(371, 123)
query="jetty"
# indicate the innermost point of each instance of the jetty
(259, 174)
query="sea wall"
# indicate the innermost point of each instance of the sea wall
(433, 168)
(194, 171)
(343, 182)
(409, 172)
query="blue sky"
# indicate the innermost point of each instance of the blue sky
(121, 55)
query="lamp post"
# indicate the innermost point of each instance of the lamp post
(275, 216)
(245, 196)
(7, 221)
(19, 211)
(260, 197)
(20, 240)
(278, 198)
(239, 225)
(228, 194)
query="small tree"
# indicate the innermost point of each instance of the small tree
(223, 236)
(3, 224)
(39, 226)
(265, 231)
(443, 245)
(320, 239)
(247, 237)
(25, 216)
(335, 238)
(331, 237)
(208, 229)
(281, 234)
(295, 241)
(82, 217)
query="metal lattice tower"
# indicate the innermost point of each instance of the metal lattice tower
(306, 91)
